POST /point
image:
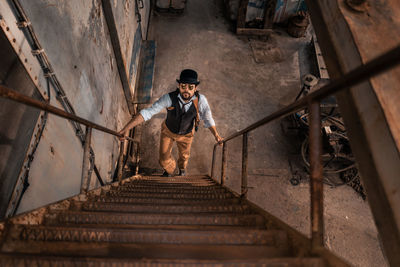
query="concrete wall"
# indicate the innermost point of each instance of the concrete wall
(75, 37)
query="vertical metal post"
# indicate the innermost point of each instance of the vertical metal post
(316, 176)
(121, 159)
(137, 158)
(86, 161)
(213, 161)
(223, 163)
(244, 165)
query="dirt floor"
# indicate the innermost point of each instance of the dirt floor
(245, 80)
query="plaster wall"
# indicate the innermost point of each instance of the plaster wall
(75, 37)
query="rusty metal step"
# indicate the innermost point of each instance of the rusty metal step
(30, 260)
(275, 238)
(178, 180)
(171, 186)
(170, 195)
(169, 227)
(175, 185)
(174, 180)
(153, 219)
(165, 201)
(145, 251)
(157, 189)
(154, 208)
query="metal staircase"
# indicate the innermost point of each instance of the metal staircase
(151, 221)
(180, 221)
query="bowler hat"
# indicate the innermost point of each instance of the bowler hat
(188, 76)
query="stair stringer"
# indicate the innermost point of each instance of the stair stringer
(36, 216)
(299, 243)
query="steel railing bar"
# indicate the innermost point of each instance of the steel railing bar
(360, 74)
(244, 188)
(86, 161)
(316, 176)
(223, 164)
(121, 160)
(18, 97)
(213, 161)
(137, 158)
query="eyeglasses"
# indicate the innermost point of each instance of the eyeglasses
(187, 86)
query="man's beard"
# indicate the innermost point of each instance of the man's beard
(185, 98)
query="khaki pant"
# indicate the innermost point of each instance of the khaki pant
(183, 142)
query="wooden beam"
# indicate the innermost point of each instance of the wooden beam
(348, 38)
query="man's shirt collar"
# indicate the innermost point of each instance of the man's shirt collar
(183, 101)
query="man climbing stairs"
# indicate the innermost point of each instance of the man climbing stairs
(151, 221)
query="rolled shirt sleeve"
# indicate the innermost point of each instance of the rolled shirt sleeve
(161, 103)
(205, 112)
(165, 102)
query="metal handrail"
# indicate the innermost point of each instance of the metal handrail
(26, 100)
(312, 100)
(18, 97)
(372, 68)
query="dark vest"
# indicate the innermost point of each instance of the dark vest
(178, 121)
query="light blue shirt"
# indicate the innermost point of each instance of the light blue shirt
(165, 102)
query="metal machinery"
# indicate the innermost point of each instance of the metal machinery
(338, 160)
